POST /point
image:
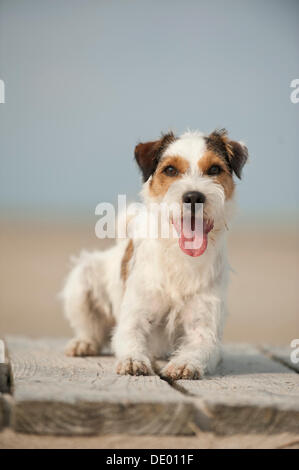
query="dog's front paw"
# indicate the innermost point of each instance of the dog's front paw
(131, 366)
(81, 347)
(176, 371)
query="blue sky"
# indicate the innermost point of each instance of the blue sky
(86, 80)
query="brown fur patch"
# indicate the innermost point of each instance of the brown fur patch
(124, 268)
(224, 178)
(218, 143)
(234, 154)
(160, 181)
(148, 154)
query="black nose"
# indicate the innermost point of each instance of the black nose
(193, 197)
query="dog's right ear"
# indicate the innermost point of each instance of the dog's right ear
(146, 157)
(148, 154)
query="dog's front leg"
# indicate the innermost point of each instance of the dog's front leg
(199, 351)
(130, 340)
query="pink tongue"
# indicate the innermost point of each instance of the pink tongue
(194, 242)
(200, 241)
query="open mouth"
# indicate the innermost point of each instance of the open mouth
(193, 234)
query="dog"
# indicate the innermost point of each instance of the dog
(159, 297)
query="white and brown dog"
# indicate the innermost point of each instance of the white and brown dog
(157, 297)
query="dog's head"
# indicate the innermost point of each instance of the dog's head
(194, 171)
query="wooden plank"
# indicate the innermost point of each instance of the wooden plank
(55, 394)
(2, 412)
(248, 393)
(282, 354)
(203, 440)
(4, 369)
(5, 409)
(4, 385)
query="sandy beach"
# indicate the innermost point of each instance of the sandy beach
(263, 295)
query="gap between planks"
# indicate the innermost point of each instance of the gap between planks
(282, 355)
(53, 394)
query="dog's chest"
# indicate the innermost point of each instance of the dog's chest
(175, 276)
(183, 279)
(180, 276)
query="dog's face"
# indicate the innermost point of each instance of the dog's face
(196, 171)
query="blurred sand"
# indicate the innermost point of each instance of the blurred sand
(263, 295)
(203, 440)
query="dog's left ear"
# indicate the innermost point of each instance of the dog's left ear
(235, 153)
(238, 156)
(148, 154)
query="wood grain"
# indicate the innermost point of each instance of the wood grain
(55, 394)
(4, 368)
(4, 385)
(59, 395)
(248, 393)
(2, 412)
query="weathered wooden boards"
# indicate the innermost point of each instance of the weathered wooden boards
(4, 385)
(4, 368)
(249, 392)
(55, 394)
(282, 355)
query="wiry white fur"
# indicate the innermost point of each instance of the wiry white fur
(191, 145)
(171, 304)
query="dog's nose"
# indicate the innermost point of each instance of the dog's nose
(193, 197)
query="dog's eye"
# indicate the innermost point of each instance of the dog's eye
(214, 170)
(170, 171)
